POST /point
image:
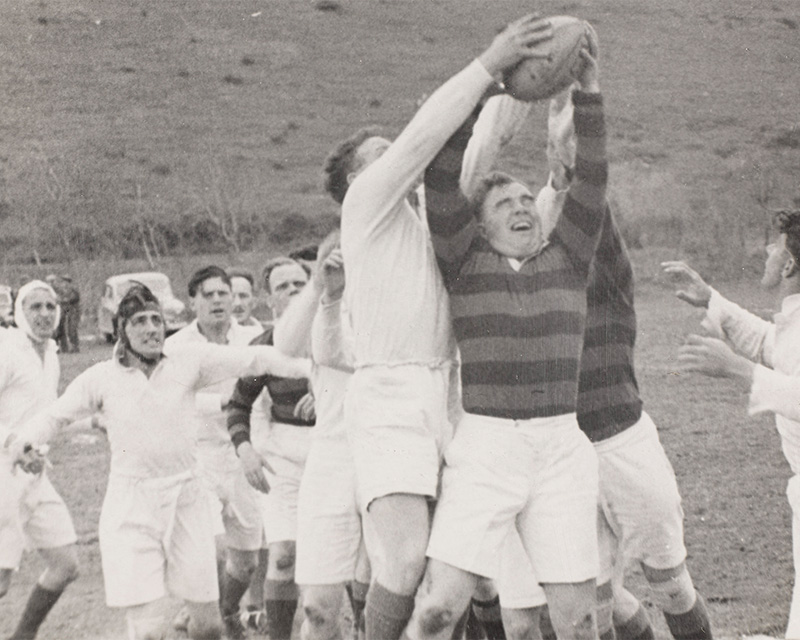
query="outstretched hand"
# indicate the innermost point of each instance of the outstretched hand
(515, 43)
(696, 292)
(712, 357)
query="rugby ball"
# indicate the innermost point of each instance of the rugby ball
(556, 64)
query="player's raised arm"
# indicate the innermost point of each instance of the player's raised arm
(391, 176)
(292, 332)
(581, 220)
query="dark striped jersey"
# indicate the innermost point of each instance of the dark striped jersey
(284, 392)
(520, 333)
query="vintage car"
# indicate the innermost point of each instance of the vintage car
(175, 314)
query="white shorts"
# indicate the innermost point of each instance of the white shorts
(234, 502)
(398, 428)
(32, 515)
(639, 515)
(157, 537)
(639, 499)
(540, 475)
(285, 448)
(329, 520)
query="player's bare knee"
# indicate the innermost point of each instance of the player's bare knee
(586, 627)
(436, 618)
(285, 560)
(150, 628)
(318, 615)
(521, 624)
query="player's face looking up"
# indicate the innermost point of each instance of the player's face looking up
(213, 303)
(285, 282)
(243, 299)
(39, 308)
(509, 221)
(777, 257)
(145, 331)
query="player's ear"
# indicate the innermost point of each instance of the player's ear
(351, 176)
(482, 231)
(790, 268)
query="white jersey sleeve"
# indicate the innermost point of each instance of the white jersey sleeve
(751, 336)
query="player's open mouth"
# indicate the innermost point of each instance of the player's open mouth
(522, 225)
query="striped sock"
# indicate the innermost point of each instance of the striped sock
(281, 605)
(637, 628)
(692, 625)
(487, 612)
(387, 613)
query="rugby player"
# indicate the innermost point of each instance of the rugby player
(639, 498)
(396, 406)
(770, 357)
(329, 520)
(239, 526)
(156, 526)
(32, 514)
(280, 445)
(519, 459)
(244, 299)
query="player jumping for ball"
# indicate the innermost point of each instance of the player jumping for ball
(396, 403)
(518, 457)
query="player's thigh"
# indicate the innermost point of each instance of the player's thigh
(45, 518)
(322, 603)
(639, 496)
(571, 604)
(62, 566)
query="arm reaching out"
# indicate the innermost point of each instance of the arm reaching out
(696, 291)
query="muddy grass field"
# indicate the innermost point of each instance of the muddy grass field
(730, 470)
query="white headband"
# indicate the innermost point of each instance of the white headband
(19, 313)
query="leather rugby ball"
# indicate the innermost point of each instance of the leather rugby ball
(556, 64)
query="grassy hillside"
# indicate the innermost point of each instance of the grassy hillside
(130, 113)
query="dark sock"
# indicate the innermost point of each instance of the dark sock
(387, 613)
(38, 606)
(232, 591)
(637, 628)
(459, 631)
(487, 613)
(546, 626)
(692, 625)
(221, 571)
(358, 600)
(473, 629)
(281, 605)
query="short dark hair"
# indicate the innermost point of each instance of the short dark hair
(274, 264)
(788, 223)
(341, 162)
(487, 183)
(239, 272)
(308, 253)
(206, 273)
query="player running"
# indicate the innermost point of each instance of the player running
(156, 527)
(280, 443)
(32, 514)
(236, 503)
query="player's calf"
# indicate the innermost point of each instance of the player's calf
(5, 581)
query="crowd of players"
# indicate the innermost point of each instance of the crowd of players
(452, 435)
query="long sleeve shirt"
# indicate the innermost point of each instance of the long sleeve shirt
(395, 295)
(284, 392)
(148, 433)
(520, 332)
(331, 353)
(608, 394)
(775, 347)
(211, 418)
(27, 382)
